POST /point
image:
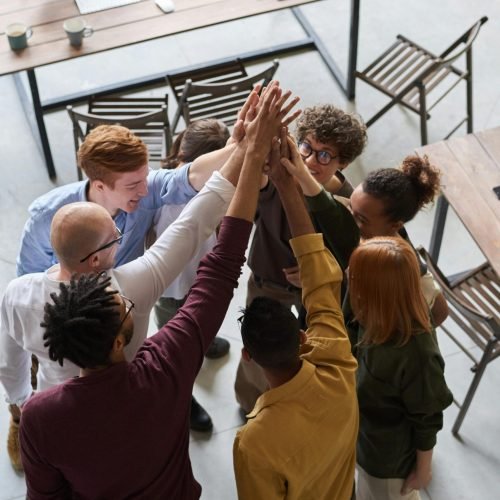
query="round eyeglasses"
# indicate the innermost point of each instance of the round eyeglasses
(322, 157)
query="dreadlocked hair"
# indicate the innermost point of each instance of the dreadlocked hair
(83, 321)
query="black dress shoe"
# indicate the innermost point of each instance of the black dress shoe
(199, 420)
(218, 348)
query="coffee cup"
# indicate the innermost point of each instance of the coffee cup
(18, 34)
(77, 30)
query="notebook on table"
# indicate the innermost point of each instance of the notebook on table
(88, 6)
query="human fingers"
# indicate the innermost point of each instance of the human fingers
(283, 98)
(289, 119)
(294, 150)
(238, 131)
(269, 94)
(275, 153)
(284, 150)
(290, 167)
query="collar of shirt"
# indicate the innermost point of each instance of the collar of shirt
(284, 391)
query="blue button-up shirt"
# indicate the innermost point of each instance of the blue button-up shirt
(165, 187)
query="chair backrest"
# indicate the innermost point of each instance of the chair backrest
(219, 99)
(217, 73)
(471, 306)
(467, 38)
(145, 117)
(444, 61)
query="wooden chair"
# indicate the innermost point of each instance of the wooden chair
(474, 303)
(408, 73)
(147, 117)
(217, 91)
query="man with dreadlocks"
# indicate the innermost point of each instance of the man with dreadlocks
(120, 429)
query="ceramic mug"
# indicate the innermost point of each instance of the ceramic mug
(18, 34)
(77, 30)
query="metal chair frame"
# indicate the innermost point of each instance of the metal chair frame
(473, 300)
(407, 73)
(215, 91)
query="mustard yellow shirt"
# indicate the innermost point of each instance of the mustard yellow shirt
(300, 439)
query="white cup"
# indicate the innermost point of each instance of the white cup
(77, 30)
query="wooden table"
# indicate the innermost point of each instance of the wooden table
(470, 169)
(131, 24)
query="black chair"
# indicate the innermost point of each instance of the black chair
(217, 91)
(147, 117)
(408, 73)
(473, 300)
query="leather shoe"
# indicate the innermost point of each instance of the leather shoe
(199, 420)
(218, 348)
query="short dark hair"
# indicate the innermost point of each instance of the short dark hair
(200, 137)
(82, 323)
(270, 333)
(331, 125)
(405, 190)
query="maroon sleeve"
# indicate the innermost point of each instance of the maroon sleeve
(183, 341)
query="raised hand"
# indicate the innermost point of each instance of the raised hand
(274, 168)
(246, 114)
(273, 108)
(296, 167)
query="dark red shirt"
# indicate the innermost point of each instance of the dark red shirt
(123, 432)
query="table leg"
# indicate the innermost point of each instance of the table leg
(438, 228)
(347, 84)
(34, 113)
(353, 50)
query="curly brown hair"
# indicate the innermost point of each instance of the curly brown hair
(331, 125)
(111, 149)
(404, 190)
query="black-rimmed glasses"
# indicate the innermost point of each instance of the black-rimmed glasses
(117, 240)
(322, 157)
(129, 305)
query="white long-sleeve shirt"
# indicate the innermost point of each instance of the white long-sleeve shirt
(180, 286)
(142, 280)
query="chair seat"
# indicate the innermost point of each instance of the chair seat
(403, 62)
(479, 289)
(408, 74)
(474, 306)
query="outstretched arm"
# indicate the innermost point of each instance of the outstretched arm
(319, 271)
(332, 218)
(260, 132)
(291, 199)
(190, 332)
(202, 167)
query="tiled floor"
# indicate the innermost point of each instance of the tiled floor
(465, 468)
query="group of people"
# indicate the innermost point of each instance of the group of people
(340, 367)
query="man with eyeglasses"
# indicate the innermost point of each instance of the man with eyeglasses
(329, 140)
(120, 429)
